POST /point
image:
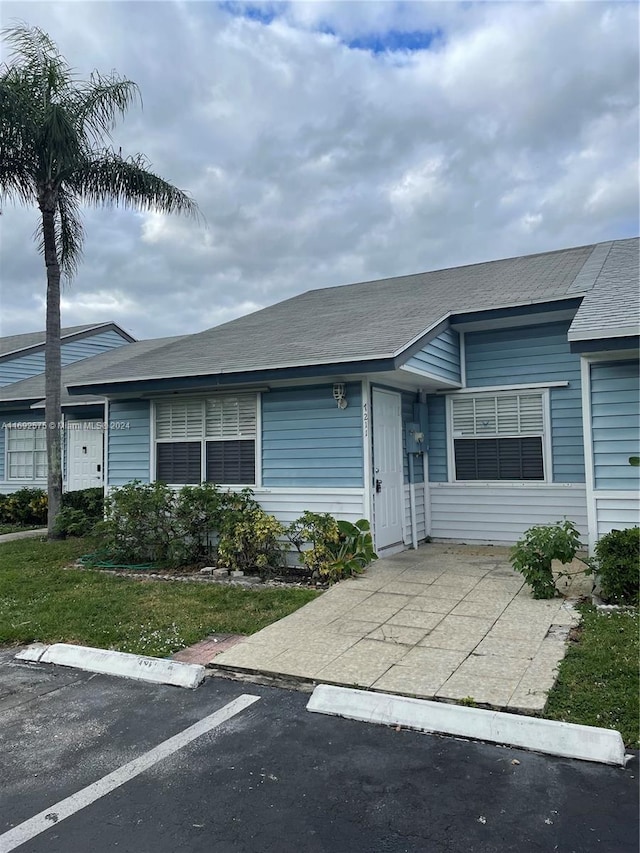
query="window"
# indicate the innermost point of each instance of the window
(210, 439)
(498, 436)
(26, 454)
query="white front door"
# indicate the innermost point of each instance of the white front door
(388, 478)
(84, 454)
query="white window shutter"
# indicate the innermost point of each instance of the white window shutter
(178, 419)
(498, 414)
(231, 417)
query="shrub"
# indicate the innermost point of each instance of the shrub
(533, 554)
(331, 549)
(88, 501)
(25, 506)
(139, 525)
(617, 562)
(73, 522)
(196, 512)
(250, 537)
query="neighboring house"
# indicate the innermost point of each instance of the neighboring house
(23, 459)
(463, 404)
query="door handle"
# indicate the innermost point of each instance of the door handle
(98, 468)
(378, 486)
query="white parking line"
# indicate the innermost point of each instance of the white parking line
(65, 808)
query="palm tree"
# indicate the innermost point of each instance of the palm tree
(55, 153)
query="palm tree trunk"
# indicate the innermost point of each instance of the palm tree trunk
(52, 367)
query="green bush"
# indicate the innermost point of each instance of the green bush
(533, 554)
(331, 549)
(617, 562)
(150, 523)
(73, 522)
(88, 501)
(25, 506)
(139, 525)
(251, 538)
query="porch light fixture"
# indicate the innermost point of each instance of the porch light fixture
(339, 395)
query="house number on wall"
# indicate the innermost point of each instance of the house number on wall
(365, 419)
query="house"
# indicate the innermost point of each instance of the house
(464, 404)
(22, 438)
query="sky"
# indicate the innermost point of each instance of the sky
(333, 142)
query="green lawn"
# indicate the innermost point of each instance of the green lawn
(42, 601)
(598, 680)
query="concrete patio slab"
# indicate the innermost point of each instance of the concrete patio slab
(445, 622)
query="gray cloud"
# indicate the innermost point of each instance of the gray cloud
(315, 163)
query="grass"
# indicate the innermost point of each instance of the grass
(598, 680)
(42, 601)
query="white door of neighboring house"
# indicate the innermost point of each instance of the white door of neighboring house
(388, 475)
(84, 454)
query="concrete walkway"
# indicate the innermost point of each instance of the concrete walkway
(444, 622)
(24, 534)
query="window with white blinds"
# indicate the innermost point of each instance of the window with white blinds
(208, 439)
(498, 436)
(509, 414)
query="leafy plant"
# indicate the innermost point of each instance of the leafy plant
(532, 555)
(617, 564)
(72, 522)
(25, 507)
(139, 524)
(251, 538)
(329, 548)
(88, 501)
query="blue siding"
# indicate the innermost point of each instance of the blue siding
(408, 400)
(22, 367)
(536, 354)
(22, 416)
(129, 447)
(308, 441)
(437, 439)
(615, 417)
(440, 357)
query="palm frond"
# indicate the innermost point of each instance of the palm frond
(34, 50)
(110, 178)
(69, 232)
(100, 101)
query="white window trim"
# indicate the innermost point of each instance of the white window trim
(497, 389)
(257, 442)
(7, 470)
(505, 390)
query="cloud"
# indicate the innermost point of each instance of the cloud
(335, 142)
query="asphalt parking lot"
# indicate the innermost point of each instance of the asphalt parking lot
(274, 777)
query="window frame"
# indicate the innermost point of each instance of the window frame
(35, 430)
(545, 435)
(155, 441)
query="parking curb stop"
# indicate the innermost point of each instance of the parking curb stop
(123, 664)
(566, 740)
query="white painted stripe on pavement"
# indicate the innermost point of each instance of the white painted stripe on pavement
(80, 800)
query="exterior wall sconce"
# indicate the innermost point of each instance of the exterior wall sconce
(339, 395)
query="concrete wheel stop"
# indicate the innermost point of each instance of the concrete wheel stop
(567, 740)
(123, 664)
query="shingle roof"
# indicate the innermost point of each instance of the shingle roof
(17, 343)
(612, 308)
(356, 322)
(33, 388)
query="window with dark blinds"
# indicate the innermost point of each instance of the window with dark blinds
(178, 462)
(499, 459)
(206, 438)
(498, 436)
(231, 462)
